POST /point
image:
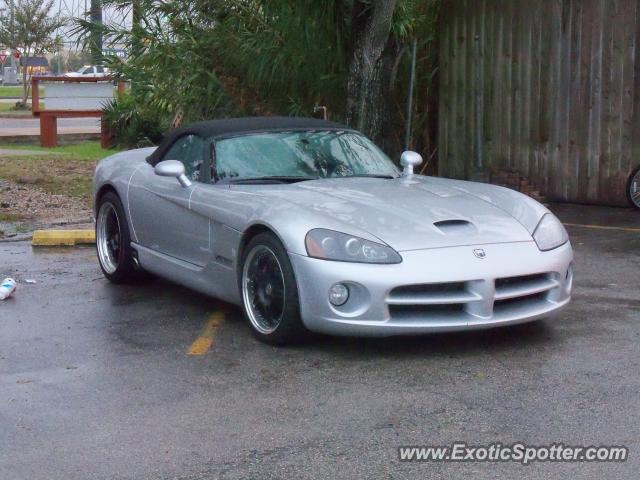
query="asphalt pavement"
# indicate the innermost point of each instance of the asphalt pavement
(156, 382)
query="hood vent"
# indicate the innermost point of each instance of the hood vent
(456, 227)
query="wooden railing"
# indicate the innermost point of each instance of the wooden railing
(69, 97)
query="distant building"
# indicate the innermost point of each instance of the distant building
(35, 65)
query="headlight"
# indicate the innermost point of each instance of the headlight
(550, 233)
(330, 245)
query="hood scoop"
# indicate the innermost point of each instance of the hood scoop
(456, 227)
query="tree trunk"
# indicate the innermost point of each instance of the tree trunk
(374, 53)
(26, 84)
(96, 33)
(25, 87)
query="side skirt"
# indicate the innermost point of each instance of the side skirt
(215, 279)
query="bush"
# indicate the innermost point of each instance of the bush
(133, 124)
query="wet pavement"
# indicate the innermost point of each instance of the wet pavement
(12, 127)
(96, 381)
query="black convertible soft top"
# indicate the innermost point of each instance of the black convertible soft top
(229, 127)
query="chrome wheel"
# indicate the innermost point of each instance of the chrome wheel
(108, 237)
(263, 289)
(634, 189)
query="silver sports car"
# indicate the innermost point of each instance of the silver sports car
(309, 226)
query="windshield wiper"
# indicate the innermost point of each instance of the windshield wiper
(367, 175)
(270, 179)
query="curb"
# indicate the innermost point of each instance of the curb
(67, 238)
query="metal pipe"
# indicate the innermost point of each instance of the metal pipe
(412, 79)
(321, 108)
(478, 104)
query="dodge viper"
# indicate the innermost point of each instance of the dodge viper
(309, 226)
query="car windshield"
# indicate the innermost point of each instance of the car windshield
(296, 156)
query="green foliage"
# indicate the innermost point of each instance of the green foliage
(30, 30)
(75, 60)
(133, 124)
(217, 58)
(291, 55)
(419, 19)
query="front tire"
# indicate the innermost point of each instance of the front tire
(269, 291)
(633, 188)
(113, 243)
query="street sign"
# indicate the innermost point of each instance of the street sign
(3, 58)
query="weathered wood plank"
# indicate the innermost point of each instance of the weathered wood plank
(559, 93)
(581, 115)
(635, 115)
(607, 80)
(574, 106)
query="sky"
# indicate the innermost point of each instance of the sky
(75, 8)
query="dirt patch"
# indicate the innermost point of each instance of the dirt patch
(37, 192)
(27, 202)
(55, 175)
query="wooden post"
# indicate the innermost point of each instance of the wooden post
(48, 130)
(105, 134)
(35, 96)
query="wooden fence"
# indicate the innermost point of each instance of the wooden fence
(547, 88)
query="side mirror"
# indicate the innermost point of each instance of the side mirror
(173, 168)
(408, 160)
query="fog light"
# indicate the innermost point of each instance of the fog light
(338, 294)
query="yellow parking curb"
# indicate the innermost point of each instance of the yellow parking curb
(69, 238)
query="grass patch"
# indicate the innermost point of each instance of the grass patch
(14, 91)
(10, 217)
(10, 109)
(87, 151)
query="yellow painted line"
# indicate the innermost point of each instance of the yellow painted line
(51, 238)
(203, 343)
(603, 227)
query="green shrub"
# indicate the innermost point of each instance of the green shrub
(133, 124)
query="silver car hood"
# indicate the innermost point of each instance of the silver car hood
(406, 214)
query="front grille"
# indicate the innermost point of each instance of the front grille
(504, 282)
(465, 300)
(429, 288)
(508, 302)
(524, 286)
(434, 311)
(431, 294)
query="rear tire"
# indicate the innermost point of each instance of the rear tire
(269, 292)
(113, 243)
(633, 188)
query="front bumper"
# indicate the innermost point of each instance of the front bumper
(436, 290)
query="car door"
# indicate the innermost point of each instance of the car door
(159, 206)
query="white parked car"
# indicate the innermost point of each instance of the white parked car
(89, 71)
